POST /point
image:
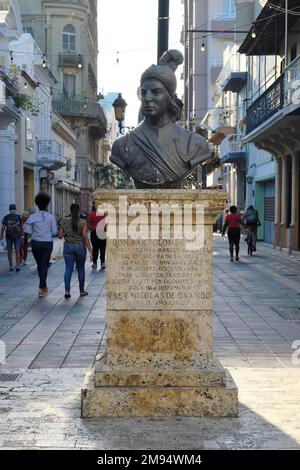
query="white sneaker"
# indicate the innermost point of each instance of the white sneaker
(94, 266)
(103, 266)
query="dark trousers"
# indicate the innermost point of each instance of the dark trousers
(98, 245)
(234, 236)
(42, 252)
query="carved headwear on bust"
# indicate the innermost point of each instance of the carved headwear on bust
(165, 70)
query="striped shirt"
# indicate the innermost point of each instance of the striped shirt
(42, 226)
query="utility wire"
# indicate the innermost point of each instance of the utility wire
(241, 26)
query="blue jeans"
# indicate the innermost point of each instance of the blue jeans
(74, 253)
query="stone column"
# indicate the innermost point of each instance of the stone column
(159, 359)
(278, 186)
(7, 170)
(295, 201)
(283, 234)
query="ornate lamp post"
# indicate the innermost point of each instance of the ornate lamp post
(120, 107)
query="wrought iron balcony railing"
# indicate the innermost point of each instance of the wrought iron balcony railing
(266, 106)
(292, 84)
(76, 108)
(72, 107)
(50, 154)
(70, 59)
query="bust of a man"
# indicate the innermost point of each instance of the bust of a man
(159, 153)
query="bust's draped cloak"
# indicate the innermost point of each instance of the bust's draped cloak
(159, 157)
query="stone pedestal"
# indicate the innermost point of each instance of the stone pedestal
(159, 359)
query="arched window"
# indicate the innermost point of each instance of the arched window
(69, 35)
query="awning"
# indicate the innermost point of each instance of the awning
(234, 82)
(216, 138)
(233, 157)
(270, 29)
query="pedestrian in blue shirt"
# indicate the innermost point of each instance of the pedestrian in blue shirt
(42, 227)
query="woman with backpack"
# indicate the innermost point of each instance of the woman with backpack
(42, 227)
(74, 230)
(252, 222)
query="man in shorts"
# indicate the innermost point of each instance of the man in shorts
(12, 227)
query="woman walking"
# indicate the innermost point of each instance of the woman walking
(233, 222)
(74, 230)
(42, 228)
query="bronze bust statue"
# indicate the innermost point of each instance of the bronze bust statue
(159, 153)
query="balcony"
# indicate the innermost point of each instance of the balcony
(92, 112)
(269, 25)
(292, 87)
(233, 76)
(70, 59)
(50, 154)
(266, 106)
(231, 149)
(219, 121)
(8, 111)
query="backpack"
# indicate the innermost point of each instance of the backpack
(251, 217)
(13, 227)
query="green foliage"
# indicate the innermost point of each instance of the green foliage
(112, 177)
(69, 165)
(24, 102)
(21, 100)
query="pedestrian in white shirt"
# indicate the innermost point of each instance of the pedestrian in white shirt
(42, 227)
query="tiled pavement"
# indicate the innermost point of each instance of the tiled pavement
(50, 342)
(50, 332)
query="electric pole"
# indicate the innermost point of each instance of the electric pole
(163, 28)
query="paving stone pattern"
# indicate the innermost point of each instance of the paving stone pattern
(50, 342)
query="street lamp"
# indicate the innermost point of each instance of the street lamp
(120, 107)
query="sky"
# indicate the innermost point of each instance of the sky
(130, 27)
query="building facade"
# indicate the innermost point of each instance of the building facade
(66, 32)
(10, 29)
(204, 59)
(37, 147)
(272, 118)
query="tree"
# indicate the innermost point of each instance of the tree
(112, 177)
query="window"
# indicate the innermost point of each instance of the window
(69, 85)
(229, 9)
(29, 133)
(69, 35)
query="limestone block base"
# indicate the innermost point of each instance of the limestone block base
(190, 392)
